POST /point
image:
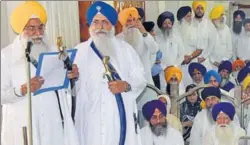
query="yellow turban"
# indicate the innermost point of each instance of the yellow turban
(246, 82)
(217, 12)
(124, 15)
(197, 3)
(21, 15)
(173, 71)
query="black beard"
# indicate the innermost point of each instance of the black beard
(159, 130)
(199, 17)
(237, 27)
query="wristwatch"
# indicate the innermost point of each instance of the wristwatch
(145, 34)
(128, 88)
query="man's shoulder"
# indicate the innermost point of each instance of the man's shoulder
(200, 115)
(6, 51)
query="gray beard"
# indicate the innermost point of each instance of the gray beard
(167, 33)
(209, 116)
(224, 82)
(159, 130)
(225, 135)
(133, 37)
(37, 49)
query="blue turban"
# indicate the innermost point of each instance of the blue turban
(141, 12)
(158, 55)
(196, 66)
(227, 65)
(243, 73)
(224, 107)
(241, 13)
(148, 109)
(210, 91)
(211, 73)
(246, 21)
(248, 64)
(148, 26)
(183, 11)
(107, 10)
(163, 16)
(156, 69)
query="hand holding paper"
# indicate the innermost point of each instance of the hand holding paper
(53, 71)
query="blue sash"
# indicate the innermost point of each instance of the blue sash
(119, 100)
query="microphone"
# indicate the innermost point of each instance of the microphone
(28, 50)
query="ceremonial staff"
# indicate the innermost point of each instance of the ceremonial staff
(63, 55)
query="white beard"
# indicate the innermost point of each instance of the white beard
(105, 43)
(247, 33)
(134, 37)
(219, 25)
(167, 33)
(185, 30)
(225, 135)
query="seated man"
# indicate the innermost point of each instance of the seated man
(223, 132)
(158, 132)
(225, 70)
(203, 120)
(172, 120)
(197, 72)
(188, 111)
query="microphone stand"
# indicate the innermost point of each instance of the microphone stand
(27, 53)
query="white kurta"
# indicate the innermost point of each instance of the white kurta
(223, 47)
(243, 47)
(211, 139)
(146, 50)
(47, 123)
(97, 116)
(235, 39)
(173, 137)
(201, 124)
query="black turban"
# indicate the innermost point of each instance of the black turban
(163, 16)
(149, 25)
(183, 11)
(241, 13)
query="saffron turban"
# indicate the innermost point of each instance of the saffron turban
(211, 73)
(241, 13)
(173, 71)
(126, 13)
(25, 11)
(148, 109)
(246, 82)
(224, 107)
(163, 16)
(194, 66)
(103, 8)
(183, 11)
(210, 91)
(227, 65)
(197, 3)
(217, 12)
(238, 63)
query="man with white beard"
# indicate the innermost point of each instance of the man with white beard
(170, 44)
(97, 117)
(51, 120)
(158, 132)
(243, 45)
(203, 120)
(223, 48)
(135, 34)
(237, 29)
(223, 132)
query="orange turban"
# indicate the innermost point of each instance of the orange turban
(21, 15)
(238, 63)
(124, 15)
(173, 71)
(217, 12)
(197, 3)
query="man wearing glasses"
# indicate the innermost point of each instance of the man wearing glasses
(50, 125)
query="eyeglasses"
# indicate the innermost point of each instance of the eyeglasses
(33, 29)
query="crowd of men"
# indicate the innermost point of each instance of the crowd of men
(189, 52)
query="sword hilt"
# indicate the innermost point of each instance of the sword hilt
(107, 72)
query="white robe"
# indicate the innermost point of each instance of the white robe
(243, 47)
(47, 123)
(223, 47)
(146, 50)
(201, 37)
(211, 139)
(173, 137)
(201, 124)
(97, 116)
